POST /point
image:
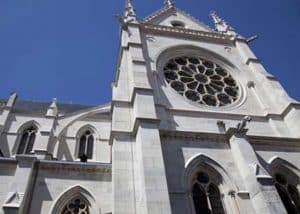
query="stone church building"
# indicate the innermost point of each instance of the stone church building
(196, 125)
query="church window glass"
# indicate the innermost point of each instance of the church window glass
(86, 145)
(206, 196)
(288, 194)
(27, 141)
(201, 81)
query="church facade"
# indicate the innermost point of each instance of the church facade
(195, 125)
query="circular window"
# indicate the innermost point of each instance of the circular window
(201, 81)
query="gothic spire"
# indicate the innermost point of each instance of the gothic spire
(169, 3)
(221, 24)
(129, 9)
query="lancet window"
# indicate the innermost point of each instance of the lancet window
(206, 195)
(288, 193)
(86, 146)
(27, 140)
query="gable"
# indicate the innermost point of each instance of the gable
(170, 16)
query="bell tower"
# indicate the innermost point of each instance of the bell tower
(198, 124)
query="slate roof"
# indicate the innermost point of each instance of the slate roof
(40, 108)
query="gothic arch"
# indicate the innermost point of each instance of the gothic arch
(220, 178)
(93, 133)
(86, 127)
(70, 194)
(27, 124)
(21, 129)
(277, 162)
(286, 179)
(200, 159)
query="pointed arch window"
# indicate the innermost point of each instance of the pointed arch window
(288, 193)
(27, 140)
(76, 206)
(86, 146)
(206, 195)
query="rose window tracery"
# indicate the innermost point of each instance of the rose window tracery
(201, 81)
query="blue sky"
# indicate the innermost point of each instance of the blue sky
(68, 48)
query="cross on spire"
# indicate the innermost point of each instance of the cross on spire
(169, 3)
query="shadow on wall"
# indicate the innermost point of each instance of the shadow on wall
(40, 194)
(4, 148)
(63, 151)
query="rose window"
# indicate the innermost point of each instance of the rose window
(201, 81)
(76, 206)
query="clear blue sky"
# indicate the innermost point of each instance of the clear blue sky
(68, 48)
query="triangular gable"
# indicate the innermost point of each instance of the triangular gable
(168, 15)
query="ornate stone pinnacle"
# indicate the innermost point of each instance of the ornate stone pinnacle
(169, 3)
(215, 17)
(221, 24)
(129, 9)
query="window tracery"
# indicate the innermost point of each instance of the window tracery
(201, 81)
(206, 195)
(86, 146)
(76, 206)
(27, 141)
(288, 193)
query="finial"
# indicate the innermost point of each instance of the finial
(129, 9)
(129, 15)
(52, 110)
(221, 24)
(169, 3)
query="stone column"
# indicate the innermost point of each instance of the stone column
(19, 197)
(153, 186)
(263, 195)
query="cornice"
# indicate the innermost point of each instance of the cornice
(278, 141)
(157, 13)
(188, 33)
(60, 166)
(204, 136)
(225, 137)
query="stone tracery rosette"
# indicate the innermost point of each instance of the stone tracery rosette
(201, 81)
(76, 206)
